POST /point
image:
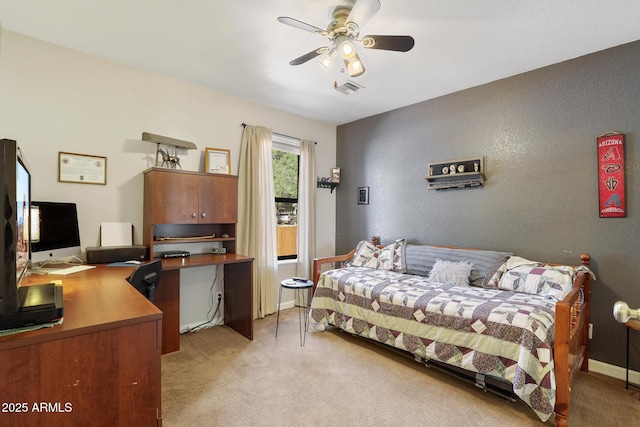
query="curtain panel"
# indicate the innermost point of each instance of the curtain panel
(306, 209)
(257, 216)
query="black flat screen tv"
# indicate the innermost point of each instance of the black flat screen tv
(20, 306)
(15, 185)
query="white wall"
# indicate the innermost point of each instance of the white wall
(55, 99)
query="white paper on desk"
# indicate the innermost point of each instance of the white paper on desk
(116, 234)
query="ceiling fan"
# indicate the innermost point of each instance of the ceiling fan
(343, 32)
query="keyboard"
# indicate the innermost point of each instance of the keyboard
(70, 270)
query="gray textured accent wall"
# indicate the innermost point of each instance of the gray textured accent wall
(537, 132)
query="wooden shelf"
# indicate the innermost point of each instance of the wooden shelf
(173, 240)
(468, 173)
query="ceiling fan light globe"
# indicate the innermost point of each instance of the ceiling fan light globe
(355, 67)
(346, 47)
(326, 59)
(325, 62)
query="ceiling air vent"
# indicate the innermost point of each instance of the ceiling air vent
(348, 87)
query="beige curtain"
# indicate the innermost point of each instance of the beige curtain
(257, 216)
(306, 209)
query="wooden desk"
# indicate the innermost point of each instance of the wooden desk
(100, 367)
(238, 294)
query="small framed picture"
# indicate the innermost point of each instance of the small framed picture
(81, 168)
(335, 175)
(217, 160)
(363, 195)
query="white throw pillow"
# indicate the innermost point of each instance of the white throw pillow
(451, 273)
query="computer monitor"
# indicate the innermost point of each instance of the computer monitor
(55, 234)
(20, 305)
(145, 278)
(15, 191)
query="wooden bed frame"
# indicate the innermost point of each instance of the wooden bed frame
(571, 329)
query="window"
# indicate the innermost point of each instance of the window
(286, 162)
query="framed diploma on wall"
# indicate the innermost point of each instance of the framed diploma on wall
(82, 168)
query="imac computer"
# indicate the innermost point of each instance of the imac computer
(55, 235)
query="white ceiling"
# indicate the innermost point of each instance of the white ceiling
(238, 47)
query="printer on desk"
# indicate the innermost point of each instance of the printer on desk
(107, 254)
(116, 239)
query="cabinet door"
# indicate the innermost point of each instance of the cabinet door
(174, 198)
(218, 199)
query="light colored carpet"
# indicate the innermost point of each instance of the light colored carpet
(219, 378)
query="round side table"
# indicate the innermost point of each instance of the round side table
(299, 285)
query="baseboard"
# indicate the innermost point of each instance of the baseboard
(287, 304)
(613, 371)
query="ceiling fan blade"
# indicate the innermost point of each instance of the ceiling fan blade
(397, 43)
(300, 25)
(308, 56)
(363, 11)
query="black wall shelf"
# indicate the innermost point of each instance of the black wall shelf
(328, 184)
(451, 174)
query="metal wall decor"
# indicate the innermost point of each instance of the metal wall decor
(169, 155)
(331, 181)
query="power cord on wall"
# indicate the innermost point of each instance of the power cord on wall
(211, 304)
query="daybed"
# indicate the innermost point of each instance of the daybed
(490, 314)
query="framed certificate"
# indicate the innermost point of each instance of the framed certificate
(82, 169)
(217, 160)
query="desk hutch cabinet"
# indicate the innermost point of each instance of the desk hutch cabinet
(186, 207)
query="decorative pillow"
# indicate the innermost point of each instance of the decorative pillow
(451, 273)
(516, 261)
(494, 274)
(399, 263)
(550, 281)
(364, 255)
(390, 257)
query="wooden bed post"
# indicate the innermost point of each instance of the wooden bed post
(571, 346)
(585, 259)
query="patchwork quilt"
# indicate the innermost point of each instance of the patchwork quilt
(495, 332)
